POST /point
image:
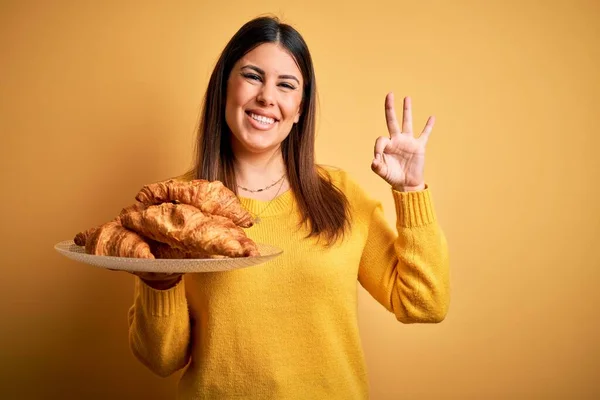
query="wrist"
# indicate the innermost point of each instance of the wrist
(417, 188)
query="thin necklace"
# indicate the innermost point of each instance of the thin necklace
(257, 216)
(263, 189)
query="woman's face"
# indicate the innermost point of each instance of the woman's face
(264, 96)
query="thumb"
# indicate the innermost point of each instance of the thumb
(378, 166)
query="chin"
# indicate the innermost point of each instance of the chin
(259, 148)
(256, 146)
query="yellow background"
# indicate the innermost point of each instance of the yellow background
(98, 98)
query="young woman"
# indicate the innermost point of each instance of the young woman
(288, 329)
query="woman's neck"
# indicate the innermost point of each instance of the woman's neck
(261, 171)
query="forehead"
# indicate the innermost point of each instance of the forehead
(273, 59)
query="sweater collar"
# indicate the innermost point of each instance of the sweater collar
(269, 208)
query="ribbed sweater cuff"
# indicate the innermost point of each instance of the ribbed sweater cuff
(414, 209)
(162, 303)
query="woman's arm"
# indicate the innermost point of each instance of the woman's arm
(408, 271)
(159, 328)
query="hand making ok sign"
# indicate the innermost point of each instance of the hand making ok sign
(400, 158)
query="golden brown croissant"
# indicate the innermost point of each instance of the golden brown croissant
(209, 197)
(186, 228)
(82, 237)
(163, 250)
(112, 239)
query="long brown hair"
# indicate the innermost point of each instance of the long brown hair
(321, 204)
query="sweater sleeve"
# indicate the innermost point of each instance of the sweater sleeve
(159, 328)
(408, 271)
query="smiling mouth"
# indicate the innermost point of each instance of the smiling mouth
(261, 119)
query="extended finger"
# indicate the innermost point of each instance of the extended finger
(427, 130)
(407, 116)
(390, 115)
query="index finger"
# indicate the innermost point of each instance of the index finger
(390, 115)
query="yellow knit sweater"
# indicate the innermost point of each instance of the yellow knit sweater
(287, 329)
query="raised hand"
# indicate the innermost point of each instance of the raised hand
(400, 158)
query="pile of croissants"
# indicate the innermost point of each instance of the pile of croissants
(176, 220)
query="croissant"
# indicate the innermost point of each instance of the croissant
(82, 237)
(209, 197)
(185, 227)
(163, 250)
(112, 239)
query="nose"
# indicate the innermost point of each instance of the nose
(266, 95)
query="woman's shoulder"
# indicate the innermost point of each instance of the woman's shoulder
(335, 175)
(360, 201)
(345, 182)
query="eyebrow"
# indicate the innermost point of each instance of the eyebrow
(260, 71)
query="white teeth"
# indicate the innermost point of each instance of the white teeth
(261, 119)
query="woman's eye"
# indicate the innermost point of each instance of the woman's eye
(258, 78)
(252, 76)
